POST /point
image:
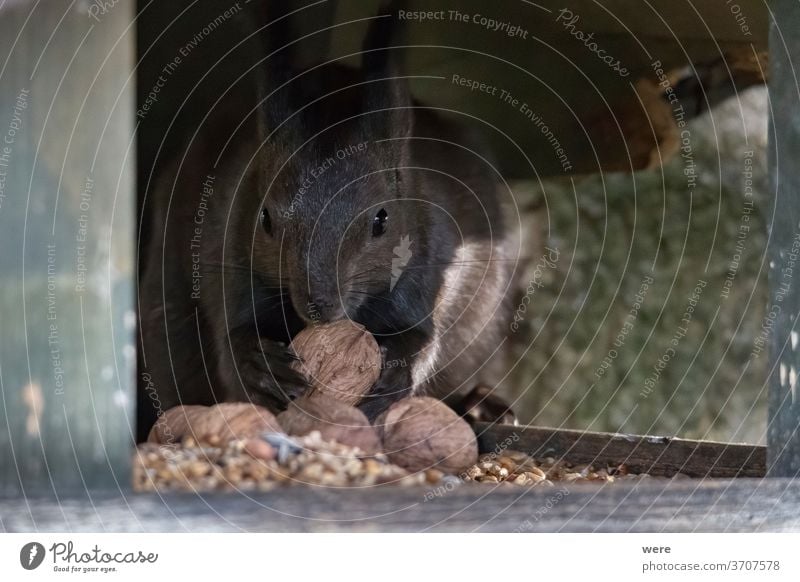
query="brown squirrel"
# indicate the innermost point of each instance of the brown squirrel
(337, 196)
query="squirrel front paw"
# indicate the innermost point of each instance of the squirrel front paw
(267, 376)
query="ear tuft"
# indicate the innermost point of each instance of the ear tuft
(388, 92)
(279, 44)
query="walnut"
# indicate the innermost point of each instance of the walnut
(335, 420)
(339, 359)
(420, 433)
(213, 424)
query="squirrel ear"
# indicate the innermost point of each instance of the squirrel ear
(387, 92)
(278, 42)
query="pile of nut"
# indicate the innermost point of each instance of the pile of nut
(262, 465)
(277, 460)
(323, 439)
(521, 469)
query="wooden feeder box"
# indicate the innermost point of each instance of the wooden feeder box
(67, 358)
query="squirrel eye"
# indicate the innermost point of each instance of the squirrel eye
(379, 223)
(266, 223)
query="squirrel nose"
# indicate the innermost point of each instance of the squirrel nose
(323, 310)
(322, 303)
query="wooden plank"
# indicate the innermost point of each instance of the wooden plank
(592, 115)
(66, 265)
(783, 437)
(747, 505)
(649, 454)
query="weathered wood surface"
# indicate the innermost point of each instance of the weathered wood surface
(66, 245)
(783, 437)
(649, 454)
(596, 115)
(658, 506)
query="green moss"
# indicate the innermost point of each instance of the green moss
(615, 230)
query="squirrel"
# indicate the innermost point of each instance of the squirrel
(337, 195)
